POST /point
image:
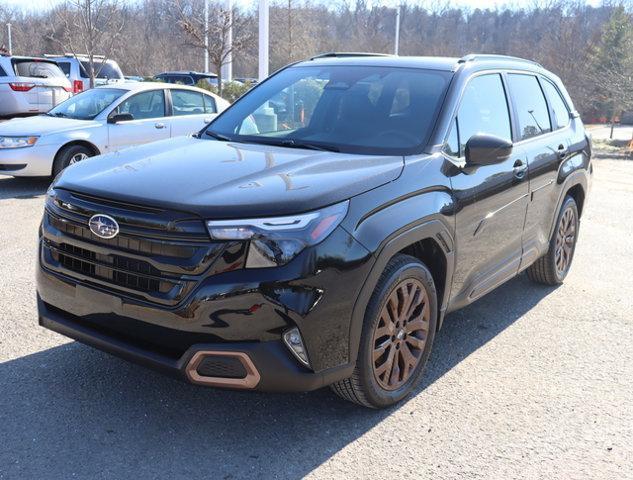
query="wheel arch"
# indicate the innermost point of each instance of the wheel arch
(431, 243)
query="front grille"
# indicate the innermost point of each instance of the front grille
(223, 367)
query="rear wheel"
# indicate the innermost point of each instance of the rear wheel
(553, 267)
(397, 336)
(70, 155)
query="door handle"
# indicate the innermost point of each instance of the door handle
(159, 125)
(519, 169)
(562, 151)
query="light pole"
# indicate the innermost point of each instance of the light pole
(9, 39)
(263, 39)
(206, 36)
(227, 67)
(397, 41)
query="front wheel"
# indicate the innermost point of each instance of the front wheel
(397, 336)
(553, 267)
(69, 156)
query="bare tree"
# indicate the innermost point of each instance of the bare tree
(221, 21)
(91, 28)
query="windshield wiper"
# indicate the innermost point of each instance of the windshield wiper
(217, 136)
(290, 143)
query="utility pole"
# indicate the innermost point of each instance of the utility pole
(263, 39)
(9, 39)
(206, 36)
(397, 41)
(227, 67)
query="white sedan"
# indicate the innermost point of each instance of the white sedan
(103, 120)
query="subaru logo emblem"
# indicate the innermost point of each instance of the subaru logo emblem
(103, 226)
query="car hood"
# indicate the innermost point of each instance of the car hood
(42, 125)
(216, 179)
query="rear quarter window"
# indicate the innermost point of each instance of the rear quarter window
(557, 104)
(2, 72)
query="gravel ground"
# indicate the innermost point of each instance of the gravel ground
(529, 382)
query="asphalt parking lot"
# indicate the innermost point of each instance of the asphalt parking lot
(529, 382)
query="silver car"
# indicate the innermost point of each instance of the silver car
(102, 120)
(29, 85)
(76, 70)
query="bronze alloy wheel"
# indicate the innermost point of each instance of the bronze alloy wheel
(565, 238)
(400, 334)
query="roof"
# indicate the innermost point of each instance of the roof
(187, 72)
(141, 86)
(429, 63)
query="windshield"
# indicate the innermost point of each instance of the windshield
(37, 69)
(108, 70)
(87, 105)
(355, 109)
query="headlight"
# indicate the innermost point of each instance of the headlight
(275, 241)
(17, 142)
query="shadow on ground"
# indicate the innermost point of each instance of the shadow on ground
(71, 410)
(25, 187)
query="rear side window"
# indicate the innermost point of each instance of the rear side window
(483, 109)
(530, 105)
(2, 72)
(557, 104)
(144, 105)
(209, 104)
(182, 79)
(185, 102)
(36, 69)
(107, 70)
(65, 67)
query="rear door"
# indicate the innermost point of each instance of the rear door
(191, 110)
(544, 135)
(492, 199)
(149, 124)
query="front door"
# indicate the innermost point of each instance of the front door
(491, 199)
(149, 124)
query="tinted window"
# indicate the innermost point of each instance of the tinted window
(182, 79)
(185, 102)
(2, 72)
(65, 67)
(530, 105)
(105, 70)
(36, 69)
(558, 105)
(352, 108)
(209, 104)
(484, 109)
(144, 105)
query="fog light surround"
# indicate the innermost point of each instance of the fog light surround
(294, 342)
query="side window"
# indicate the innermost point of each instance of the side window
(484, 109)
(452, 142)
(65, 66)
(186, 102)
(2, 72)
(144, 105)
(558, 105)
(209, 104)
(530, 104)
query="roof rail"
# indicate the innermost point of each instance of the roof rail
(349, 54)
(471, 57)
(71, 55)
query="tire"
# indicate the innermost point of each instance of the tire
(68, 155)
(369, 385)
(549, 269)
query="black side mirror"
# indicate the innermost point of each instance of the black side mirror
(483, 149)
(120, 117)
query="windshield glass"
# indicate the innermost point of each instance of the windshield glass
(87, 105)
(355, 109)
(109, 70)
(37, 69)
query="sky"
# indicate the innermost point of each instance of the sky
(46, 4)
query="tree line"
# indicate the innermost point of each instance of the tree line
(589, 47)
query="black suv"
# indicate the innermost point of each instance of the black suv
(286, 249)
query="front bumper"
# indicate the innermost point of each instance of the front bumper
(277, 370)
(35, 161)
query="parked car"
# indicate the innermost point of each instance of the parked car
(104, 119)
(250, 80)
(324, 249)
(30, 85)
(187, 78)
(76, 70)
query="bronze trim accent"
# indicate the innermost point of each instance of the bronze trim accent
(251, 379)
